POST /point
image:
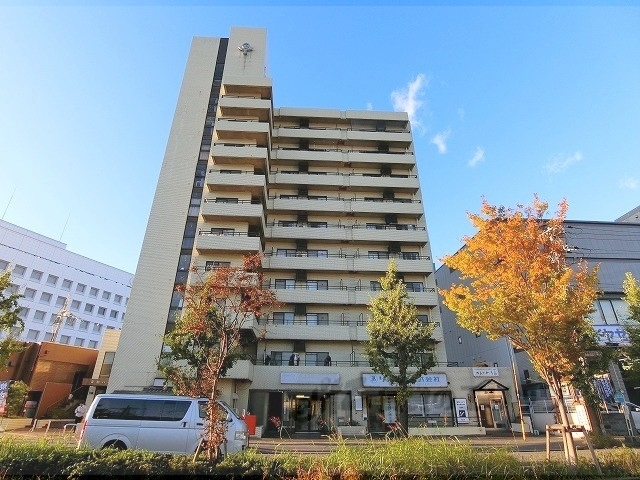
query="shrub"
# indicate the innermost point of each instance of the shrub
(15, 398)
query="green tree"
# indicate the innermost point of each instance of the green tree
(517, 284)
(16, 396)
(9, 319)
(400, 346)
(208, 336)
(631, 353)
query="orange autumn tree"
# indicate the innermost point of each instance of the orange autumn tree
(516, 283)
(207, 338)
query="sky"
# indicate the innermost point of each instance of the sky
(505, 103)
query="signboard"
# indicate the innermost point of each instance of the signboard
(612, 334)
(310, 378)
(619, 397)
(358, 401)
(4, 391)
(462, 410)
(485, 372)
(389, 409)
(430, 380)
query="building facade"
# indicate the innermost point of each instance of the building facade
(612, 246)
(328, 197)
(67, 298)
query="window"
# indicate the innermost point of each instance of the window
(88, 308)
(36, 275)
(318, 253)
(287, 223)
(374, 254)
(106, 296)
(66, 284)
(286, 252)
(65, 339)
(107, 363)
(52, 280)
(288, 197)
(114, 314)
(32, 335)
(226, 200)
(288, 284)
(317, 319)
(47, 336)
(315, 358)
(117, 299)
(410, 256)
(38, 316)
(215, 264)
(45, 297)
(414, 286)
(75, 305)
(53, 318)
(80, 288)
(93, 292)
(140, 409)
(102, 311)
(317, 285)
(423, 319)
(24, 313)
(97, 327)
(4, 265)
(223, 231)
(318, 224)
(79, 342)
(60, 301)
(19, 271)
(285, 318)
(93, 344)
(70, 322)
(375, 286)
(29, 293)
(84, 325)
(13, 288)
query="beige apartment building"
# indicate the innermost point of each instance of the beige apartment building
(329, 197)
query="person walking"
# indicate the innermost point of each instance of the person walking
(80, 412)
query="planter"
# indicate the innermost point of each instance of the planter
(352, 431)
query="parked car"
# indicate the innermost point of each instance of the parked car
(158, 423)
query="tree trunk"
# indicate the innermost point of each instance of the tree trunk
(569, 445)
(403, 416)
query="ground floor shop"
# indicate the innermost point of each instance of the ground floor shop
(316, 403)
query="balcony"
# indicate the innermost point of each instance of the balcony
(309, 133)
(241, 370)
(358, 233)
(243, 131)
(342, 205)
(230, 182)
(402, 139)
(207, 242)
(345, 156)
(238, 154)
(352, 182)
(244, 86)
(212, 210)
(383, 207)
(231, 107)
(304, 262)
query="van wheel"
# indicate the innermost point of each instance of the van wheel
(117, 444)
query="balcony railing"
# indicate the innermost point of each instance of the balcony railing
(340, 287)
(377, 226)
(341, 320)
(378, 256)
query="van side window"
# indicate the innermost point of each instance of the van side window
(132, 409)
(202, 409)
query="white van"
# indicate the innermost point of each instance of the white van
(157, 423)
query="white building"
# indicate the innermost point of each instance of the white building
(328, 197)
(50, 277)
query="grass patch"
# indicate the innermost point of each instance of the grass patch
(405, 459)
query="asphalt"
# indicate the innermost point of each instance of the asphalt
(531, 448)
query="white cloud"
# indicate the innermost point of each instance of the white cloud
(369, 106)
(440, 140)
(561, 162)
(408, 99)
(628, 183)
(478, 157)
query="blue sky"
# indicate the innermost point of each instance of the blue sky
(506, 102)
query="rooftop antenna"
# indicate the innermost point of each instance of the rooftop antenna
(62, 315)
(7, 208)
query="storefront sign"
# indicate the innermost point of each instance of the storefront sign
(389, 409)
(612, 334)
(310, 378)
(485, 372)
(431, 380)
(358, 402)
(462, 411)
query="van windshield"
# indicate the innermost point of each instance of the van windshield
(202, 408)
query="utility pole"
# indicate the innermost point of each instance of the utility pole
(61, 317)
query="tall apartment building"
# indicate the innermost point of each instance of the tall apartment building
(329, 197)
(53, 279)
